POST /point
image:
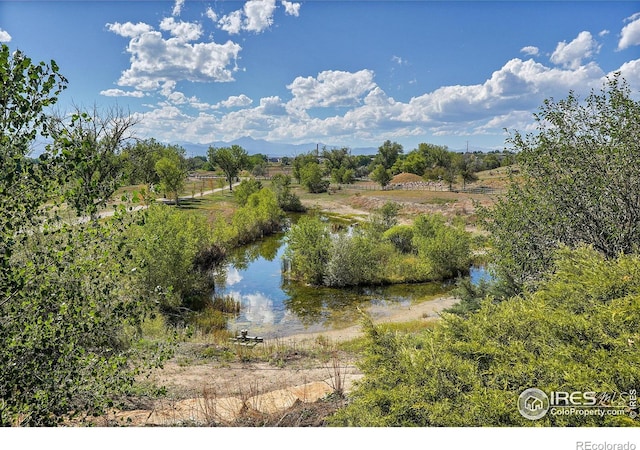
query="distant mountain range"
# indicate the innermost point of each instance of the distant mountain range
(253, 146)
(271, 149)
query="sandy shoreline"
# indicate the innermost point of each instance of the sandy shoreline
(426, 310)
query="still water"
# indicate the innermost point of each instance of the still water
(271, 306)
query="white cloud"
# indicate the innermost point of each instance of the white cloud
(129, 30)
(184, 31)
(155, 60)
(211, 14)
(398, 60)
(177, 7)
(603, 33)
(234, 101)
(331, 88)
(231, 23)
(630, 71)
(530, 50)
(121, 93)
(506, 100)
(571, 55)
(290, 8)
(256, 16)
(259, 15)
(630, 34)
(4, 36)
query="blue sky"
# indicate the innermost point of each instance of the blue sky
(341, 73)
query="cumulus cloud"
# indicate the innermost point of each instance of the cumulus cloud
(331, 89)
(128, 29)
(530, 50)
(259, 15)
(231, 23)
(630, 34)
(121, 93)
(4, 36)
(290, 8)
(184, 31)
(256, 16)
(505, 100)
(235, 101)
(571, 55)
(155, 60)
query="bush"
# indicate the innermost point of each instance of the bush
(245, 189)
(171, 248)
(576, 333)
(287, 200)
(401, 236)
(356, 259)
(447, 248)
(308, 249)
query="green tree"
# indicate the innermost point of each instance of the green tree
(168, 247)
(381, 175)
(578, 184)
(311, 178)
(388, 153)
(230, 159)
(172, 174)
(245, 189)
(288, 201)
(65, 311)
(301, 161)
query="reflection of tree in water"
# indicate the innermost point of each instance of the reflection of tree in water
(331, 307)
(339, 307)
(266, 248)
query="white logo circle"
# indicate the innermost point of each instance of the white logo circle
(533, 404)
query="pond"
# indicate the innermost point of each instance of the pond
(272, 306)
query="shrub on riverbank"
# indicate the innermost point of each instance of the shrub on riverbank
(427, 251)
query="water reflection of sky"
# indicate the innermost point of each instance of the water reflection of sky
(271, 309)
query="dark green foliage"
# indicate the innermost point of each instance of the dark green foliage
(577, 333)
(260, 217)
(308, 247)
(172, 174)
(447, 248)
(388, 154)
(401, 236)
(381, 175)
(370, 255)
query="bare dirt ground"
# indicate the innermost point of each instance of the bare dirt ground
(299, 386)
